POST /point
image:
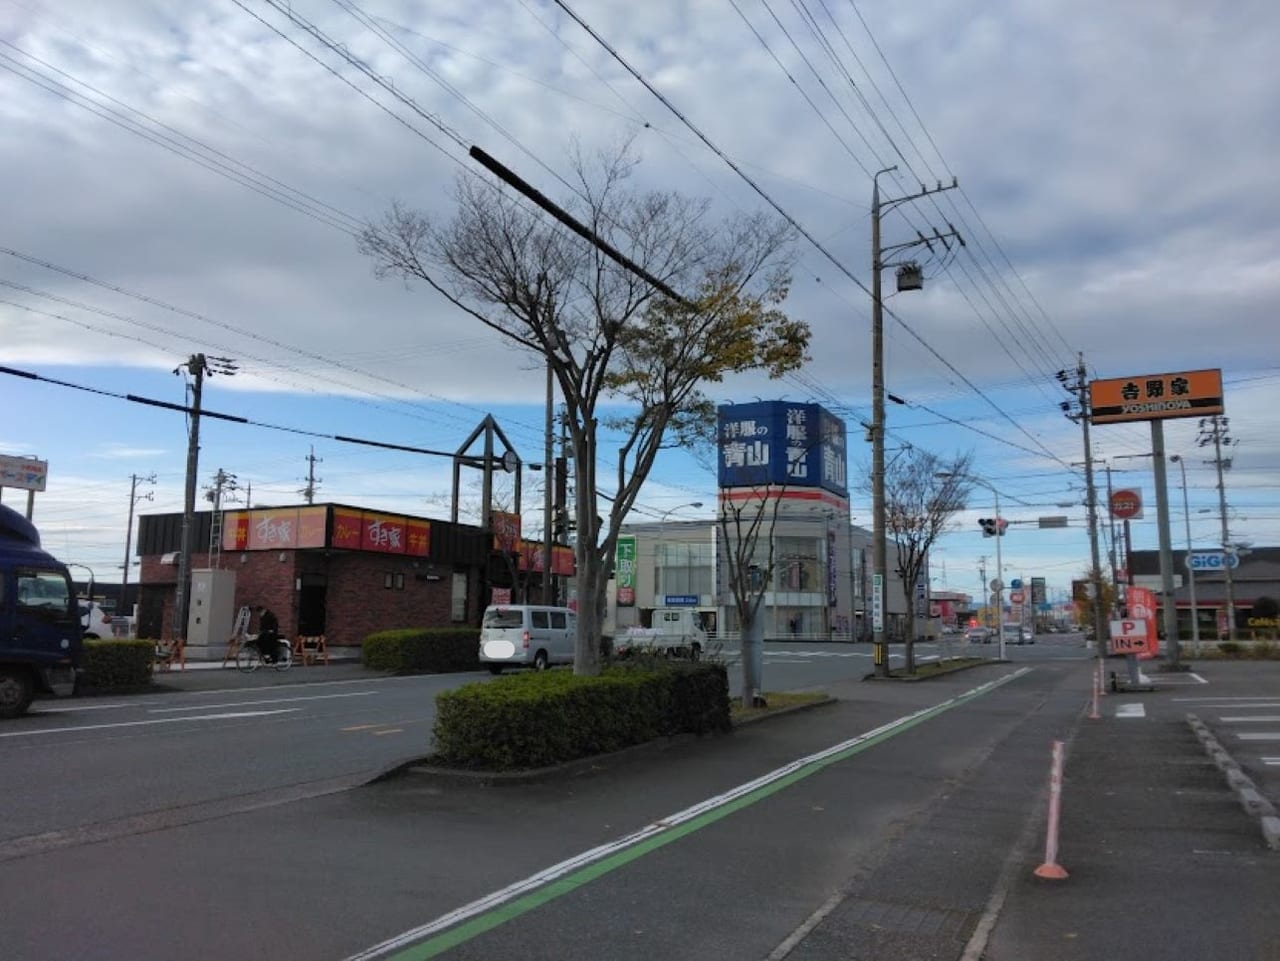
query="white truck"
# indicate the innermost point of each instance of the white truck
(676, 632)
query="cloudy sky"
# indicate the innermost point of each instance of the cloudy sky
(186, 178)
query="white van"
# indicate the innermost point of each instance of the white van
(527, 635)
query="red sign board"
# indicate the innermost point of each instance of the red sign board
(381, 533)
(1016, 597)
(1126, 504)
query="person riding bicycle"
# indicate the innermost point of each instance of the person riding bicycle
(268, 639)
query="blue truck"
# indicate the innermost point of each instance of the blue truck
(40, 631)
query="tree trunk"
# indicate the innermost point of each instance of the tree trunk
(591, 599)
(752, 659)
(911, 641)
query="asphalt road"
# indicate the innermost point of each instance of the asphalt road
(912, 803)
(190, 751)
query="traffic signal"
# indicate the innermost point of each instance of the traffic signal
(993, 526)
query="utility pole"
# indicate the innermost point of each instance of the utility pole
(986, 597)
(1213, 430)
(549, 470)
(309, 492)
(1081, 389)
(910, 277)
(134, 497)
(223, 482)
(197, 366)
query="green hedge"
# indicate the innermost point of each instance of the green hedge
(116, 665)
(533, 720)
(412, 650)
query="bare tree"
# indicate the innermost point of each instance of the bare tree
(607, 334)
(922, 493)
(744, 525)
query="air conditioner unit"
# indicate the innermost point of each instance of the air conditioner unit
(170, 559)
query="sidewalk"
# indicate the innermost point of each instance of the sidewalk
(1164, 863)
(212, 676)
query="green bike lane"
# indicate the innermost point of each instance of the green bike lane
(332, 877)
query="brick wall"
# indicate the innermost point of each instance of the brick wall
(357, 601)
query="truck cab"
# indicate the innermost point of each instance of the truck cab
(40, 632)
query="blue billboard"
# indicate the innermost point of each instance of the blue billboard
(782, 443)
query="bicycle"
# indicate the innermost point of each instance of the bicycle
(249, 658)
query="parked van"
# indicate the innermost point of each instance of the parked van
(527, 635)
(40, 632)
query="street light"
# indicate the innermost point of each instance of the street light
(1191, 571)
(999, 559)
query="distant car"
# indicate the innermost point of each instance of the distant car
(978, 635)
(949, 629)
(1018, 634)
(94, 621)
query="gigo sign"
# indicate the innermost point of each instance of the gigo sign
(1212, 560)
(1126, 504)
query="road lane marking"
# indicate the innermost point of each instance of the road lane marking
(1211, 700)
(1271, 761)
(1130, 710)
(73, 708)
(1260, 736)
(359, 727)
(273, 700)
(497, 908)
(158, 720)
(1245, 719)
(390, 730)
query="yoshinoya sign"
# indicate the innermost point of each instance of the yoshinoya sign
(1126, 504)
(782, 443)
(1191, 393)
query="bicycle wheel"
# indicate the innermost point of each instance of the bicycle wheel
(248, 658)
(284, 657)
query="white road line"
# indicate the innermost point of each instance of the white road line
(1271, 761)
(274, 700)
(1244, 719)
(1198, 678)
(51, 708)
(1130, 710)
(1232, 700)
(1260, 736)
(159, 720)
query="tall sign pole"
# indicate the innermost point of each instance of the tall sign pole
(1157, 398)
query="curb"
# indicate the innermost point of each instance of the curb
(933, 676)
(1250, 798)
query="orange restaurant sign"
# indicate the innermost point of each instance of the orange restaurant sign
(384, 533)
(287, 529)
(1192, 393)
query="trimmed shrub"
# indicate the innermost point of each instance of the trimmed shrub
(115, 666)
(422, 650)
(1230, 648)
(533, 720)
